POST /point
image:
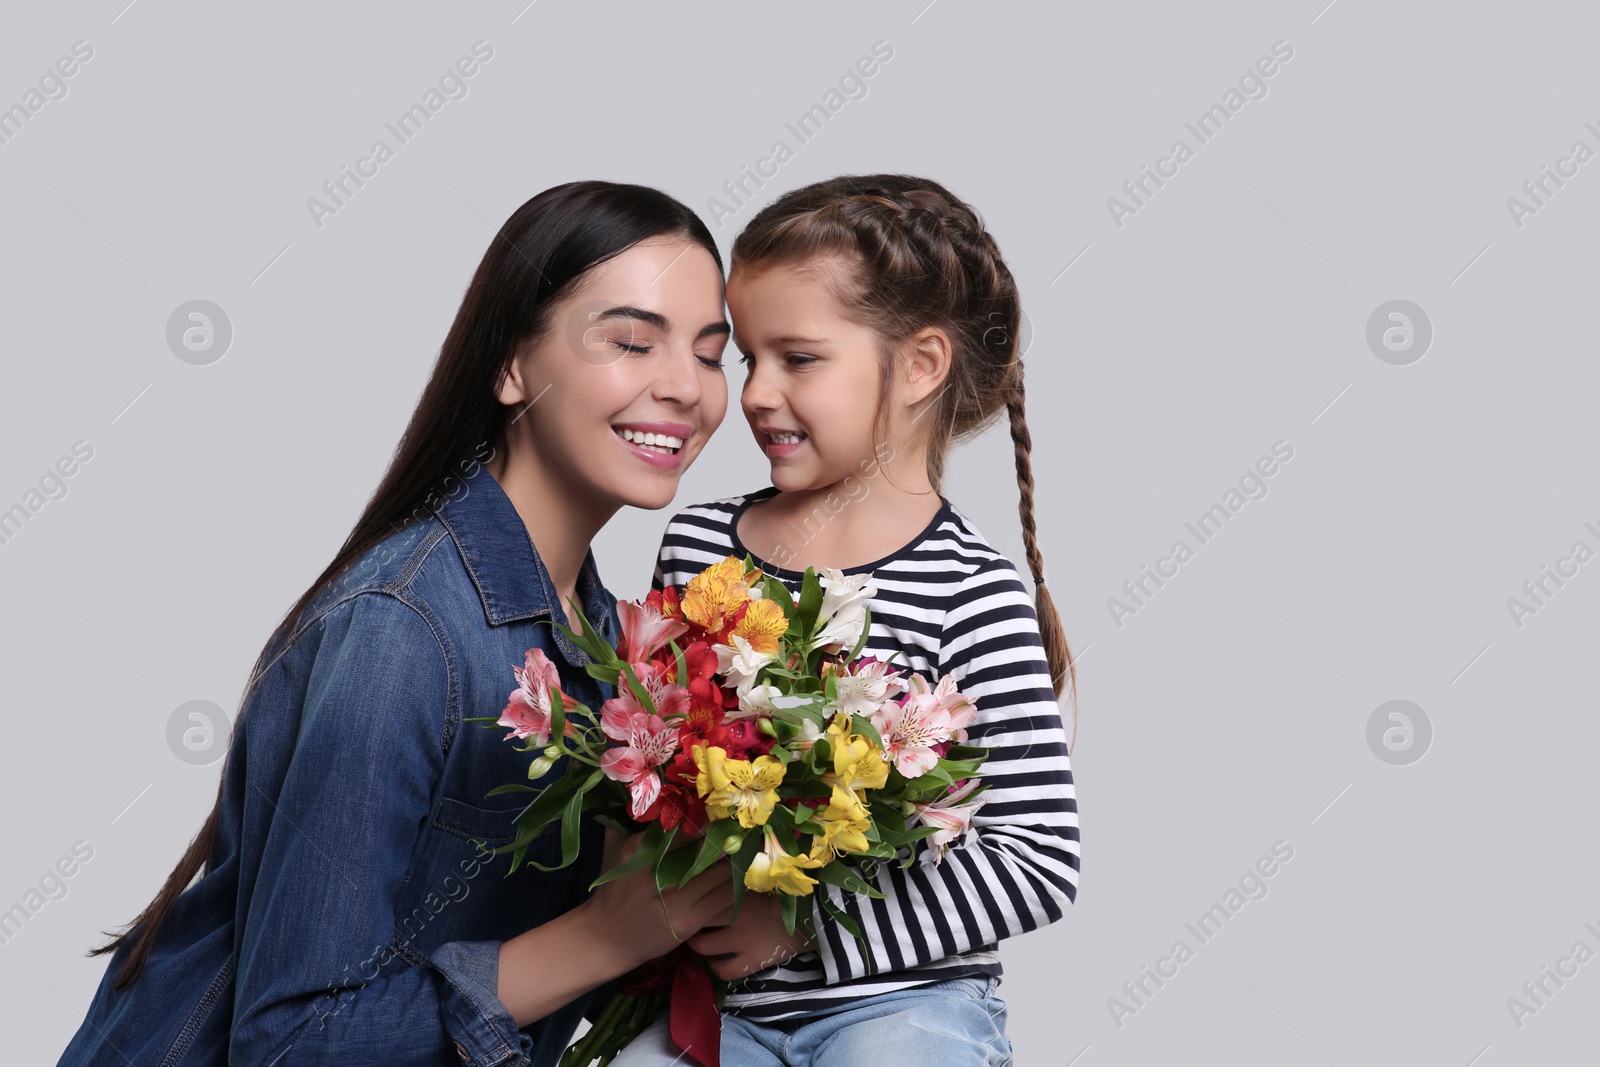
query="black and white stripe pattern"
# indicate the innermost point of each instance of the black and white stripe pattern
(948, 603)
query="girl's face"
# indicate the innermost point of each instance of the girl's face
(623, 389)
(812, 392)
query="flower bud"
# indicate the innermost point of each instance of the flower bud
(553, 752)
(540, 767)
(764, 724)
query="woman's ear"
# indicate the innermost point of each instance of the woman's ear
(927, 363)
(512, 388)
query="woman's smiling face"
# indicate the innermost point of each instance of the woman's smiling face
(625, 384)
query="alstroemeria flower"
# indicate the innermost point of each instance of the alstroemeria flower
(667, 699)
(912, 728)
(648, 743)
(741, 663)
(857, 762)
(844, 607)
(746, 788)
(645, 630)
(952, 817)
(527, 710)
(762, 623)
(756, 701)
(844, 825)
(960, 706)
(861, 687)
(713, 596)
(774, 870)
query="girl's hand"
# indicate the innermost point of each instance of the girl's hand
(638, 923)
(756, 941)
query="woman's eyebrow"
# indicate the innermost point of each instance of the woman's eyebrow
(713, 329)
(653, 318)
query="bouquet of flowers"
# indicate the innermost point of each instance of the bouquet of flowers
(745, 717)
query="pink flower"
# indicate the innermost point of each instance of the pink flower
(648, 743)
(952, 817)
(527, 710)
(914, 727)
(645, 631)
(666, 699)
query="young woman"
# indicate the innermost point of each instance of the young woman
(343, 913)
(879, 325)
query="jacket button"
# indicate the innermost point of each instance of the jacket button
(462, 1052)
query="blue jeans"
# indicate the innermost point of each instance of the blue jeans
(956, 1023)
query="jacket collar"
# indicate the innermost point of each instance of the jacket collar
(505, 566)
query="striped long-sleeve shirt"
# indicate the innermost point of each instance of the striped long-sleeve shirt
(949, 604)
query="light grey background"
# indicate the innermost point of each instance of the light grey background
(1168, 354)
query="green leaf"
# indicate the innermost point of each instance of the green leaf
(547, 805)
(638, 690)
(788, 904)
(863, 726)
(683, 664)
(611, 822)
(605, 672)
(861, 642)
(514, 787)
(841, 874)
(740, 861)
(558, 713)
(648, 852)
(570, 825)
(672, 867)
(839, 916)
(711, 847)
(810, 603)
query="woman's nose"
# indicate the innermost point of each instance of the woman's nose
(679, 381)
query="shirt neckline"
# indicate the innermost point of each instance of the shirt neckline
(946, 511)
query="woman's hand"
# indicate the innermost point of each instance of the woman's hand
(639, 924)
(756, 941)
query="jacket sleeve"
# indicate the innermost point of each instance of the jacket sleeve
(1017, 868)
(324, 976)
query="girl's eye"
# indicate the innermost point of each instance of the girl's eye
(746, 358)
(800, 359)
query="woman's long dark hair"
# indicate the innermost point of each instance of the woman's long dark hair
(538, 256)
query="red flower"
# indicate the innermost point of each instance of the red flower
(745, 740)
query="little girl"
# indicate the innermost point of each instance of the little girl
(879, 325)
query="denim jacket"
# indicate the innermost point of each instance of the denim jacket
(346, 915)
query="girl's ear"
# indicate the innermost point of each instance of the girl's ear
(927, 363)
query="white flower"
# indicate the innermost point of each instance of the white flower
(758, 701)
(740, 664)
(809, 734)
(844, 607)
(863, 686)
(951, 816)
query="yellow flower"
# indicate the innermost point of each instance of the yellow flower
(735, 787)
(713, 595)
(857, 762)
(774, 870)
(763, 623)
(844, 825)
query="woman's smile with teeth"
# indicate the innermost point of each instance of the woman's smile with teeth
(786, 438)
(656, 442)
